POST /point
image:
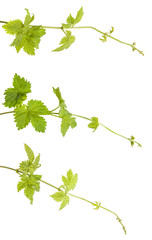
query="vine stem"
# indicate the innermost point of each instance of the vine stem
(93, 28)
(129, 139)
(6, 112)
(72, 195)
(89, 119)
(54, 114)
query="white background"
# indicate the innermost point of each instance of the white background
(106, 80)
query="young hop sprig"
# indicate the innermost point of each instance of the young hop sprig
(30, 183)
(28, 36)
(34, 110)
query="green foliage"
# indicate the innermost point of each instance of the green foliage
(61, 197)
(94, 123)
(16, 95)
(69, 39)
(58, 95)
(71, 21)
(29, 181)
(31, 113)
(26, 36)
(67, 119)
(65, 42)
(69, 183)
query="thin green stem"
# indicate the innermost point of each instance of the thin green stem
(72, 195)
(106, 209)
(13, 169)
(129, 139)
(54, 109)
(6, 112)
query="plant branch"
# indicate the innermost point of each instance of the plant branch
(93, 28)
(55, 114)
(72, 195)
(129, 139)
(6, 112)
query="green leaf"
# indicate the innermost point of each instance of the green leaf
(29, 166)
(16, 95)
(65, 42)
(94, 123)
(37, 108)
(25, 114)
(21, 117)
(28, 18)
(26, 36)
(71, 21)
(28, 181)
(38, 123)
(70, 181)
(79, 16)
(58, 95)
(58, 196)
(65, 202)
(61, 197)
(30, 184)
(67, 121)
(29, 153)
(13, 27)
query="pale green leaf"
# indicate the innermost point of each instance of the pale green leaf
(13, 27)
(58, 196)
(94, 123)
(26, 36)
(79, 16)
(70, 181)
(29, 153)
(65, 202)
(65, 42)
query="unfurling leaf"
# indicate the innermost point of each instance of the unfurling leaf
(30, 182)
(97, 205)
(26, 36)
(132, 141)
(94, 123)
(71, 21)
(79, 15)
(58, 95)
(67, 119)
(65, 42)
(18, 93)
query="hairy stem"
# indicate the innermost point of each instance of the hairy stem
(72, 195)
